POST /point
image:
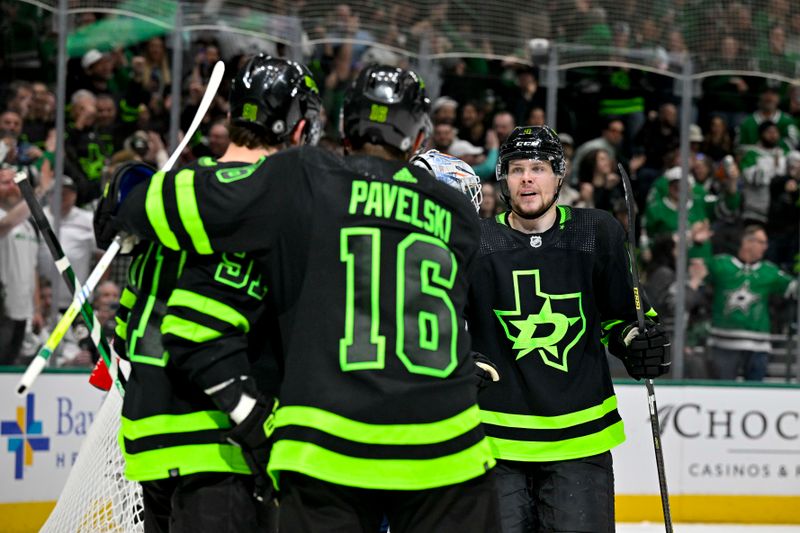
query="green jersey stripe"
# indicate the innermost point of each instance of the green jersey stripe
(163, 424)
(385, 434)
(156, 214)
(209, 306)
(550, 422)
(185, 460)
(189, 212)
(602, 441)
(186, 329)
(383, 474)
(608, 324)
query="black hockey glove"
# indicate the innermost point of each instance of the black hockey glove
(485, 370)
(124, 179)
(645, 354)
(252, 433)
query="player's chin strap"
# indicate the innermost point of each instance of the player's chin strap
(545, 209)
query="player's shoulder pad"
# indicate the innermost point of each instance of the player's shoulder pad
(317, 161)
(593, 216)
(603, 222)
(593, 229)
(496, 237)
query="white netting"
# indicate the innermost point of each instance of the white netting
(755, 36)
(97, 497)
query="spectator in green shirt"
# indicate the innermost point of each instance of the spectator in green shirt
(768, 111)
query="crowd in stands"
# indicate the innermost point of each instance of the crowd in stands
(744, 162)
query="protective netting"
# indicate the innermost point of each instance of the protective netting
(719, 36)
(758, 36)
(97, 497)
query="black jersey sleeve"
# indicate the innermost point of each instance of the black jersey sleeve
(216, 303)
(225, 208)
(613, 280)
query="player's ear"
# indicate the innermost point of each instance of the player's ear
(296, 137)
(347, 146)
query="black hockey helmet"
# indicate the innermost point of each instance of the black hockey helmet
(532, 142)
(276, 94)
(385, 105)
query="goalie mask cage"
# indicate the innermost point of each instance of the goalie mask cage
(97, 497)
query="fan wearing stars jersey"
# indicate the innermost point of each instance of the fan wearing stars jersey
(740, 322)
(550, 286)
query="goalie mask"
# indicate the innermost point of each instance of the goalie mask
(275, 95)
(385, 105)
(453, 172)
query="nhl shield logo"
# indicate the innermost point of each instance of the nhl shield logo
(536, 241)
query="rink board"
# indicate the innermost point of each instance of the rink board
(732, 453)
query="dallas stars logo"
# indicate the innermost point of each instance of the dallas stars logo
(553, 330)
(742, 299)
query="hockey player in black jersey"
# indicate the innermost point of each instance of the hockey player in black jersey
(366, 260)
(551, 285)
(193, 427)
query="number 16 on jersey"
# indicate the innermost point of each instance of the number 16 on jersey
(424, 316)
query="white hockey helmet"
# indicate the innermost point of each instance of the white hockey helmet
(452, 171)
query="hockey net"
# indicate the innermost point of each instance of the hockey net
(97, 497)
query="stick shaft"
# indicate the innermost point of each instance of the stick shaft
(651, 392)
(66, 320)
(79, 296)
(64, 266)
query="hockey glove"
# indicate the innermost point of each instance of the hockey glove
(124, 179)
(254, 418)
(485, 370)
(645, 354)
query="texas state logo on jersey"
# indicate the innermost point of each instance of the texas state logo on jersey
(542, 324)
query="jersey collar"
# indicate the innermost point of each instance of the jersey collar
(564, 215)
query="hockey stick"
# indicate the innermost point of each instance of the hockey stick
(651, 392)
(79, 300)
(40, 361)
(67, 273)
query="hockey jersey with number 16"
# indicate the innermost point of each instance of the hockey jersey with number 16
(366, 261)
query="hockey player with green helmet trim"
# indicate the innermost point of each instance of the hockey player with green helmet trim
(195, 420)
(552, 285)
(366, 260)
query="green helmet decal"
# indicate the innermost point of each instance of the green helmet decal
(378, 113)
(250, 112)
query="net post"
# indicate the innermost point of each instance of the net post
(61, 104)
(296, 32)
(177, 71)
(552, 86)
(679, 336)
